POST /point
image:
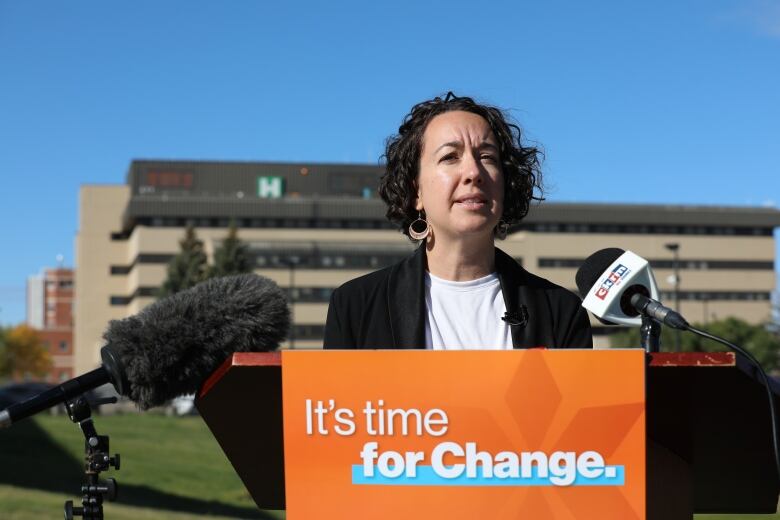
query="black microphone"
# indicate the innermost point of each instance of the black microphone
(633, 297)
(607, 292)
(659, 312)
(169, 348)
(592, 269)
(609, 280)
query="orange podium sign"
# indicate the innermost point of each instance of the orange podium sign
(536, 434)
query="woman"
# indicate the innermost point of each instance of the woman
(457, 176)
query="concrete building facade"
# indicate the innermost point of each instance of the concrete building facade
(312, 227)
(34, 302)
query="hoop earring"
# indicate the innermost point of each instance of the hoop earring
(502, 228)
(416, 229)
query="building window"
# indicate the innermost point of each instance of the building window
(552, 227)
(309, 331)
(693, 264)
(63, 346)
(718, 295)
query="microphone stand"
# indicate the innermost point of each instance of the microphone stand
(650, 334)
(651, 308)
(764, 379)
(96, 460)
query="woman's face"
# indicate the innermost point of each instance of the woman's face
(460, 184)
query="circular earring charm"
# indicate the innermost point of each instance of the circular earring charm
(419, 229)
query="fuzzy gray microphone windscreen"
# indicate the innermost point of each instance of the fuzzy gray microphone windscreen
(172, 346)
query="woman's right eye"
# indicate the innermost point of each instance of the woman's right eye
(449, 157)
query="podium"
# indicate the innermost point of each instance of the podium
(699, 422)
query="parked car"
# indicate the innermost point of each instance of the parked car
(22, 391)
(19, 392)
(6, 399)
(182, 405)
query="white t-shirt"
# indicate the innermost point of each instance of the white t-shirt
(465, 315)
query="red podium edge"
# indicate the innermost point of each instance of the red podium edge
(241, 359)
(657, 359)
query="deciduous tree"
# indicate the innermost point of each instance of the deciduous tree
(23, 353)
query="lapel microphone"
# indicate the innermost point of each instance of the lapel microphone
(518, 318)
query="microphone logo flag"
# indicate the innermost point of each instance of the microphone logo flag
(629, 272)
(614, 277)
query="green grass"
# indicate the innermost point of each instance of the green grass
(26, 504)
(736, 517)
(172, 468)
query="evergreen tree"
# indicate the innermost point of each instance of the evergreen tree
(188, 268)
(233, 256)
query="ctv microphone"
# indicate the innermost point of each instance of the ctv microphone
(620, 287)
(609, 278)
(169, 348)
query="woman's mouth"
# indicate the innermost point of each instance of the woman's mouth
(471, 202)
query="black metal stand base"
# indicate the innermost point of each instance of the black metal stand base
(96, 459)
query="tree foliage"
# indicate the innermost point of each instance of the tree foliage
(3, 353)
(759, 340)
(774, 324)
(232, 256)
(22, 352)
(189, 267)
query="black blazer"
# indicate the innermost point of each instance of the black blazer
(386, 309)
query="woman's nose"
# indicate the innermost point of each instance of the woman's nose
(472, 170)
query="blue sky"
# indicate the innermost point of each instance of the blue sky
(671, 103)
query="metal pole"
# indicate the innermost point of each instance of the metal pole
(675, 249)
(650, 335)
(677, 337)
(292, 302)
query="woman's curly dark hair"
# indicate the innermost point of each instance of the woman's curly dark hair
(521, 165)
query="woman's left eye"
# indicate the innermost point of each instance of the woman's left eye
(488, 157)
